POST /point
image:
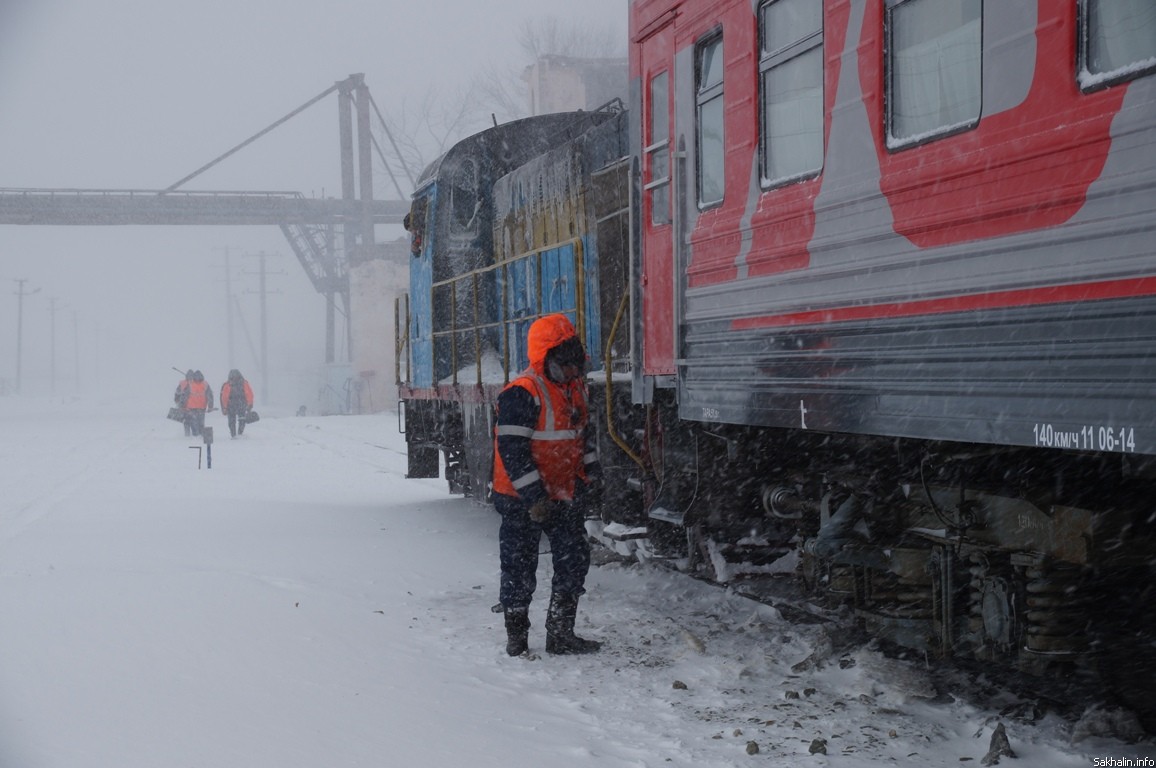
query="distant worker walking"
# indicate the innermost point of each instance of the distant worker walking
(236, 401)
(199, 400)
(181, 398)
(546, 473)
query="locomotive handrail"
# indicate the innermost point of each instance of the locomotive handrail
(611, 430)
(474, 276)
(401, 339)
(477, 327)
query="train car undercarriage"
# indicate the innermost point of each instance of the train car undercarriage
(1020, 559)
(1015, 559)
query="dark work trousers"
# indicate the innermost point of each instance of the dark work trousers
(519, 538)
(236, 422)
(195, 419)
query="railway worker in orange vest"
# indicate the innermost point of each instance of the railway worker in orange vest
(545, 472)
(181, 398)
(199, 400)
(236, 401)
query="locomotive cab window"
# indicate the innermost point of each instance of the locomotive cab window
(1117, 41)
(658, 149)
(791, 90)
(709, 120)
(934, 58)
(464, 199)
(415, 224)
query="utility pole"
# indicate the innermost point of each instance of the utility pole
(20, 294)
(262, 275)
(52, 345)
(264, 334)
(229, 319)
(76, 350)
(52, 308)
(96, 332)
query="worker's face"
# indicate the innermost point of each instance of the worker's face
(562, 373)
(563, 369)
(570, 373)
(566, 362)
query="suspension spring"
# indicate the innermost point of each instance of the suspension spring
(1056, 616)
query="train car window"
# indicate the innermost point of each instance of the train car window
(464, 199)
(658, 149)
(709, 119)
(791, 90)
(1117, 41)
(934, 64)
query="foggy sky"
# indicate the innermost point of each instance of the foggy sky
(136, 94)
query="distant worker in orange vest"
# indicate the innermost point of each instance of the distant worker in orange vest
(181, 398)
(199, 401)
(236, 401)
(546, 474)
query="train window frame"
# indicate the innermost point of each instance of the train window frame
(1093, 78)
(778, 55)
(947, 127)
(464, 198)
(708, 93)
(418, 220)
(658, 149)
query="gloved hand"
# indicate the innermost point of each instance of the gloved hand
(588, 495)
(540, 512)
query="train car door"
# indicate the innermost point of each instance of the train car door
(652, 63)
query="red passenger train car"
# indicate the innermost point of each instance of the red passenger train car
(897, 307)
(904, 209)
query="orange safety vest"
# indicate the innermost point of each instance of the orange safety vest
(198, 398)
(557, 442)
(227, 391)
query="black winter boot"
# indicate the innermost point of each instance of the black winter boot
(560, 637)
(517, 631)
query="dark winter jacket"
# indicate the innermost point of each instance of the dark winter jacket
(236, 394)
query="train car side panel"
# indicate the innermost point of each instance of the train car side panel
(957, 317)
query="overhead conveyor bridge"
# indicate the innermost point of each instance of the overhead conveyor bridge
(307, 223)
(87, 207)
(326, 235)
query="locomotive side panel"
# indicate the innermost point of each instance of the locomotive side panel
(484, 267)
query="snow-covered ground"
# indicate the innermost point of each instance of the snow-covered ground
(302, 604)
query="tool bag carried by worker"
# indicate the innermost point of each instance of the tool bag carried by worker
(251, 416)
